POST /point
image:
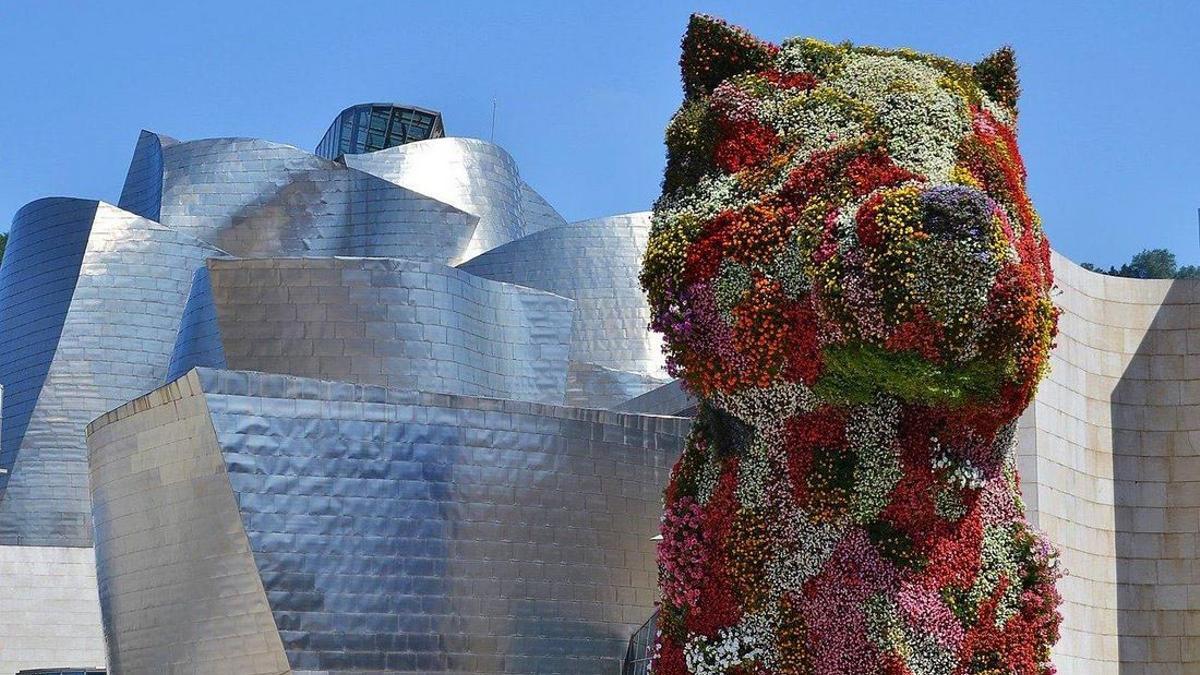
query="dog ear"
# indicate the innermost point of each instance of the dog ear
(714, 51)
(997, 75)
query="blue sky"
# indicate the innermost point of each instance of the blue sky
(1109, 119)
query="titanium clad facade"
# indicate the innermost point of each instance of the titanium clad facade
(592, 386)
(252, 197)
(391, 530)
(199, 340)
(668, 399)
(380, 321)
(596, 263)
(179, 590)
(126, 294)
(142, 193)
(539, 215)
(46, 245)
(472, 175)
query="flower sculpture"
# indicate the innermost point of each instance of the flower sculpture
(850, 277)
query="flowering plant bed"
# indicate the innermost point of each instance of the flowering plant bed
(850, 277)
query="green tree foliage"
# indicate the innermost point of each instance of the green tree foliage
(1151, 263)
(3, 244)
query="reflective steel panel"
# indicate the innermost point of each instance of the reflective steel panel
(595, 262)
(379, 321)
(103, 337)
(473, 175)
(392, 530)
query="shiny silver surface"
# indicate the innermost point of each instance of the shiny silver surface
(667, 399)
(539, 214)
(593, 386)
(142, 192)
(179, 590)
(391, 530)
(253, 197)
(472, 175)
(91, 299)
(594, 262)
(378, 321)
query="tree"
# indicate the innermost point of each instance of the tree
(1151, 263)
(3, 243)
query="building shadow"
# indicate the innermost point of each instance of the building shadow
(1156, 491)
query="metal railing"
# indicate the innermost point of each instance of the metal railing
(641, 648)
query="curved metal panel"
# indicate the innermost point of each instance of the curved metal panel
(253, 197)
(179, 590)
(142, 193)
(199, 340)
(115, 340)
(668, 399)
(593, 386)
(539, 215)
(41, 267)
(594, 262)
(395, 531)
(381, 321)
(473, 175)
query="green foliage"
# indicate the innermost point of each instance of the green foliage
(854, 374)
(691, 137)
(1151, 263)
(3, 245)
(894, 545)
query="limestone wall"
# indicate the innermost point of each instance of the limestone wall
(1111, 472)
(49, 614)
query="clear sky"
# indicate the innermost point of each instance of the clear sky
(1110, 109)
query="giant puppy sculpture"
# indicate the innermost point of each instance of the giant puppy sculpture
(850, 277)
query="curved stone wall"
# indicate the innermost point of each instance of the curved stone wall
(379, 321)
(1111, 471)
(92, 297)
(390, 530)
(596, 263)
(473, 175)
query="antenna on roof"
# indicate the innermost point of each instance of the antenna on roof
(492, 138)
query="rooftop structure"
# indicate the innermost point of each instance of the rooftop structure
(375, 126)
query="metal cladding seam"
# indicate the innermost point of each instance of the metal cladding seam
(37, 280)
(142, 192)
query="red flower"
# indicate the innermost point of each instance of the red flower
(743, 144)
